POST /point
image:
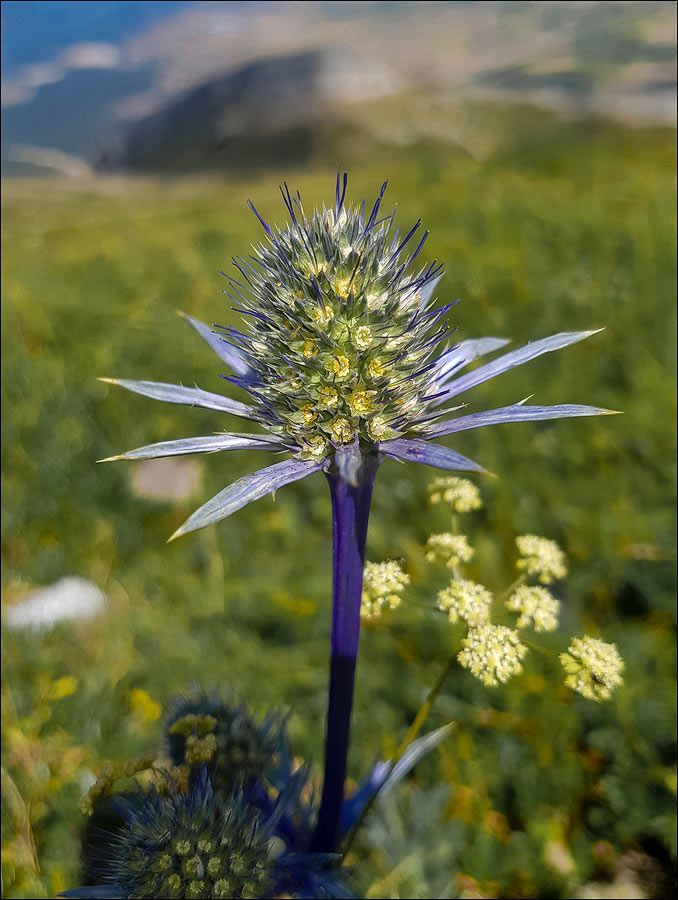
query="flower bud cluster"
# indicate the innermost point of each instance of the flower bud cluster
(236, 747)
(494, 653)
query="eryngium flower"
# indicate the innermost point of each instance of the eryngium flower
(243, 748)
(197, 843)
(185, 837)
(343, 355)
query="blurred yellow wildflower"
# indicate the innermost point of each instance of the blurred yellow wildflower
(143, 708)
(62, 687)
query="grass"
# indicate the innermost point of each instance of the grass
(563, 226)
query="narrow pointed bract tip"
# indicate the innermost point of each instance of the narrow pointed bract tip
(488, 474)
(173, 537)
(111, 458)
(108, 380)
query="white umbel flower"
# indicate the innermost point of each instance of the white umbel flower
(593, 667)
(383, 583)
(466, 600)
(493, 653)
(451, 549)
(541, 558)
(538, 608)
(462, 495)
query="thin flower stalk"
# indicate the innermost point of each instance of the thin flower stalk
(350, 514)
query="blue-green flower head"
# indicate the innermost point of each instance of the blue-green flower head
(178, 845)
(196, 843)
(337, 337)
(344, 354)
(236, 747)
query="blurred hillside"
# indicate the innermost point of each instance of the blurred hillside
(221, 85)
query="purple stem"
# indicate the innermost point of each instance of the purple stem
(350, 515)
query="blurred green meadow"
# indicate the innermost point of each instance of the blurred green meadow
(558, 226)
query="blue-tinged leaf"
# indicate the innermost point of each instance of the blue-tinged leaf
(517, 413)
(415, 450)
(384, 776)
(417, 749)
(245, 490)
(232, 356)
(458, 357)
(177, 393)
(210, 443)
(288, 796)
(511, 360)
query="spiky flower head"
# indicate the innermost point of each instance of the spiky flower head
(461, 494)
(451, 549)
(383, 584)
(594, 668)
(337, 340)
(343, 355)
(181, 845)
(537, 607)
(186, 839)
(493, 653)
(226, 737)
(541, 557)
(466, 600)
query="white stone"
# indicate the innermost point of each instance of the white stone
(69, 598)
